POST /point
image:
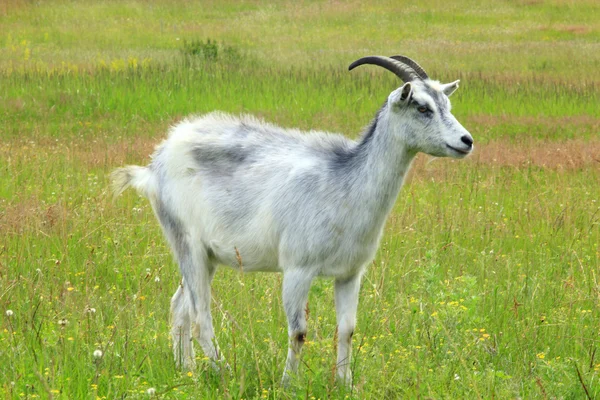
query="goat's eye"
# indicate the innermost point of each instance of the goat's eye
(422, 109)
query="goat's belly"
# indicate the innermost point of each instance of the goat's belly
(245, 258)
(348, 264)
(338, 259)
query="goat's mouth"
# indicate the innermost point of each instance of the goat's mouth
(459, 151)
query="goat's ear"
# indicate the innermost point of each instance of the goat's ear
(402, 95)
(449, 88)
(406, 92)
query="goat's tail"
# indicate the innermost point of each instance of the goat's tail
(141, 178)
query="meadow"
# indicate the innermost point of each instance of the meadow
(486, 284)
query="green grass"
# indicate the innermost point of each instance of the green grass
(121, 100)
(486, 282)
(533, 37)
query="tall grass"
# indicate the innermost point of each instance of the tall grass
(60, 99)
(486, 282)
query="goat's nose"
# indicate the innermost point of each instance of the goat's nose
(468, 140)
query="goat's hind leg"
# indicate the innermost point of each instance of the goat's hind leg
(181, 329)
(191, 302)
(199, 279)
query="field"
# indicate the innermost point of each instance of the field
(487, 281)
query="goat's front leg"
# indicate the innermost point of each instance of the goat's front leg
(296, 284)
(346, 303)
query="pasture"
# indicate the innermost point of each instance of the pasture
(487, 281)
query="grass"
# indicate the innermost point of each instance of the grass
(486, 281)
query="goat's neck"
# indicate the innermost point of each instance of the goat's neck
(383, 159)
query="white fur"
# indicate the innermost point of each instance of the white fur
(233, 191)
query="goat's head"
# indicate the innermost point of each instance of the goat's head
(420, 109)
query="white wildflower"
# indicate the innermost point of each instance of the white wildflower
(157, 279)
(97, 353)
(9, 313)
(151, 391)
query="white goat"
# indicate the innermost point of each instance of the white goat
(305, 204)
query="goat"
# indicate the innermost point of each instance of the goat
(311, 204)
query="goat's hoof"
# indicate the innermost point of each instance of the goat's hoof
(345, 381)
(286, 380)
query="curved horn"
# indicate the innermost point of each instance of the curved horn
(418, 69)
(401, 69)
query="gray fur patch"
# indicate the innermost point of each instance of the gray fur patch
(342, 157)
(220, 157)
(441, 102)
(173, 226)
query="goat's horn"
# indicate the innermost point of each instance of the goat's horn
(418, 69)
(401, 69)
